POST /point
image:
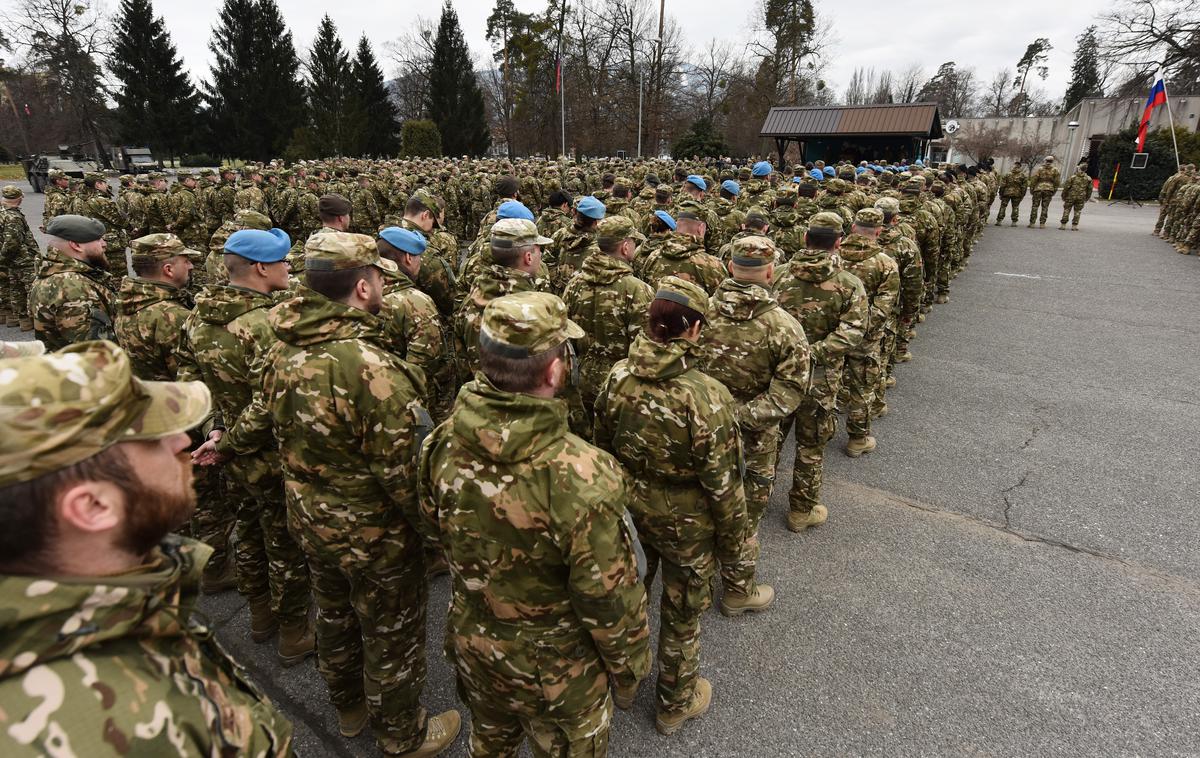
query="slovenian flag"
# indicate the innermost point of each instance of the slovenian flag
(1158, 96)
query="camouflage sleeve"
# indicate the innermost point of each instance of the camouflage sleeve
(637, 306)
(849, 332)
(252, 429)
(428, 521)
(716, 447)
(884, 301)
(912, 286)
(602, 430)
(608, 597)
(72, 316)
(391, 425)
(789, 382)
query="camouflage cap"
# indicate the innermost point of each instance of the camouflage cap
(126, 178)
(181, 175)
(753, 251)
(526, 324)
(142, 179)
(55, 173)
(62, 408)
(618, 227)
(426, 197)
(154, 248)
(75, 228)
(786, 192)
(206, 172)
(826, 220)
(94, 176)
(154, 176)
(888, 205)
(11, 192)
(339, 251)
(869, 217)
(682, 292)
(248, 219)
(915, 184)
(25, 349)
(516, 232)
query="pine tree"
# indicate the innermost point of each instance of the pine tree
(379, 125)
(255, 101)
(455, 102)
(156, 103)
(331, 93)
(1085, 71)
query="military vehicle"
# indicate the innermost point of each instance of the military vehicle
(72, 163)
(135, 160)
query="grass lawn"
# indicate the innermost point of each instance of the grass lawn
(11, 171)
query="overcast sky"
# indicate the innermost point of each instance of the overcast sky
(886, 34)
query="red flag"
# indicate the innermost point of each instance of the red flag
(557, 74)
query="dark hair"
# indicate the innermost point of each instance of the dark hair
(620, 190)
(335, 285)
(145, 269)
(414, 207)
(887, 217)
(508, 256)
(821, 238)
(517, 374)
(658, 225)
(608, 180)
(727, 194)
(29, 513)
(662, 195)
(559, 197)
(806, 190)
(756, 222)
(668, 319)
(507, 186)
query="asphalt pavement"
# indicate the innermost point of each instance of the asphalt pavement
(1014, 570)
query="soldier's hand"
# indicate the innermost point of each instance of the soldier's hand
(206, 454)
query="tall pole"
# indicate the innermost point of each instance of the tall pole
(641, 86)
(657, 79)
(1170, 120)
(562, 97)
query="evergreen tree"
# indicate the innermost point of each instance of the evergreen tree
(255, 100)
(379, 123)
(331, 93)
(156, 103)
(1085, 71)
(455, 102)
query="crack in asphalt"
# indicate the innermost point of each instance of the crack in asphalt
(1006, 491)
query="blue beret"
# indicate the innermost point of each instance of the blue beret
(513, 209)
(590, 207)
(816, 174)
(731, 187)
(665, 217)
(762, 168)
(919, 163)
(860, 170)
(797, 180)
(258, 245)
(404, 240)
(829, 171)
(698, 181)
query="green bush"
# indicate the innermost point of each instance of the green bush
(701, 141)
(1145, 183)
(420, 138)
(198, 160)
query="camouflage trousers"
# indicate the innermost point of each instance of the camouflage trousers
(687, 593)
(814, 425)
(214, 519)
(863, 367)
(1070, 206)
(14, 288)
(948, 261)
(369, 585)
(269, 561)
(761, 452)
(1162, 217)
(904, 336)
(887, 356)
(1041, 206)
(1004, 201)
(499, 734)
(930, 260)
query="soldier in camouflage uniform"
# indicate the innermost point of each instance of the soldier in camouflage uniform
(56, 200)
(221, 199)
(903, 249)
(98, 205)
(150, 308)
(831, 306)
(787, 230)
(556, 215)
(683, 255)
(571, 245)
(18, 259)
(757, 191)
(158, 205)
(345, 414)
(759, 351)
(692, 201)
(730, 217)
(436, 277)
(1076, 191)
(226, 338)
(516, 252)
(186, 220)
(609, 303)
(101, 651)
(547, 611)
(367, 218)
(1042, 186)
(862, 256)
(674, 429)
(1172, 185)
(214, 263)
(249, 194)
(71, 297)
(928, 234)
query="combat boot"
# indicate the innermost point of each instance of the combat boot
(1041, 225)
(297, 641)
(880, 411)
(1030, 224)
(353, 720)
(735, 604)
(798, 522)
(1014, 223)
(13, 321)
(623, 697)
(262, 620)
(218, 578)
(669, 723)
(1062, 227)
(904, 357)
(440, 731)
(890, 382)
(942, 298)
(859, 446)
(26, 324)
(997, 222)
(1074, 227)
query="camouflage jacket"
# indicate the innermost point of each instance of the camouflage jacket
(1171, 186)
(552, 220)
(609, 303)
(70, 301)
(924, 224)
(566, 254)
(787, 231)
(17, 245)
(122, 665)
(827, 201)
(1078, 189)
(729, 221)
(831, 305)
(345, 415)
(757, 350)
(149, 326)
(672, 426)
(412, 319)
(56, 203)
(687, 204)
(880, 277)
(251, 197)
(103, 209)
(222, 202)
(547, 603)
(1045, 179)
(620, 206)
(1014, 184)
(907, 256)
(494, 281)
(683, 257)
(365, 217)
(755, 192)
(436, 276)
(133, 205)
(187, 219)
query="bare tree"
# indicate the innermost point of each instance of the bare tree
(1030, 148)
(1141, 35)
(716, 64)
(908, 83)
(979, 141)
(410, 54)
(997, 95)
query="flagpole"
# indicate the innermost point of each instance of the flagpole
(562, 85)
(1170, 120)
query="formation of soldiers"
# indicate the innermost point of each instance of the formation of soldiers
(553, 393)
(1179, 210)
(1041, 186)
